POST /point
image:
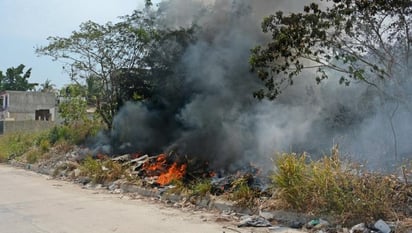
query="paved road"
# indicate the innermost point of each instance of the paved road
(32, 203)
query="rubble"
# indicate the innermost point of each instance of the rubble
(382, 226)
(254, 221)
(317, 224)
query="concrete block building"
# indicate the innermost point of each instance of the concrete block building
(26, 111)
(22, 106)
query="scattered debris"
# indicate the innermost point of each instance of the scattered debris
(267, 215)
(359, 228)
(254, 221)
(382, 226)
(317, 224)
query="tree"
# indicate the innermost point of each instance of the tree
(73, 104)
(16, 79)
(123, 59)
(361, 40)
(47, 86)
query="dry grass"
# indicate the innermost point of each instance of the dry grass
(101, 171)
(331, 187)
(243, 194)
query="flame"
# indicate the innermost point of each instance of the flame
(175, 172)
(165, 173)
(158, 166)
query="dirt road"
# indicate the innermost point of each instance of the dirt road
(33, 203)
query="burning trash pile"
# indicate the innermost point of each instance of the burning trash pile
(156, 169)
(164, 169)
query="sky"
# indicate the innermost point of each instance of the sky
(26, 24)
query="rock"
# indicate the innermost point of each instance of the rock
(113, 186)
(296, 225)
(254, 221)
(267, 215)
(359, 228)
(84, 180)
(116, 191)
(76, 172)
(278, 229)
(382, 226)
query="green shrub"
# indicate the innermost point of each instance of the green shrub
(58, 133)
(201, 187)
(76, 133)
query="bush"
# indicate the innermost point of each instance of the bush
(76, 133)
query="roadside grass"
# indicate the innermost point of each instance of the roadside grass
(32, 146)
(101, 171)
(75, 134)
(332, 187)
(15, 145)
(325, 187)
(242, 194)
(201, 187)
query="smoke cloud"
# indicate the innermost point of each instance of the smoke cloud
(220, 122)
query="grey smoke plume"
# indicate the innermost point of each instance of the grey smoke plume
(220, 122)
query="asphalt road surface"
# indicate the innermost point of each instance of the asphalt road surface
(33, 203)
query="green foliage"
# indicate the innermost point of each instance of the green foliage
(201, 187)
(74, 134)
(78, 124)
(73, 110)
(16, 79)
(352, 38)
(15, 145)
(120, 62)
(47, 86)
(330, 186)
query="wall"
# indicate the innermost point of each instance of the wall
(19, 126)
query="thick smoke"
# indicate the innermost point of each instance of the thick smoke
(220, 122)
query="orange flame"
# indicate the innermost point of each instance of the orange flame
(156, 167)
(165, 174)
(175, 172)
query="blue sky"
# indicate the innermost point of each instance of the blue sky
(25, 24)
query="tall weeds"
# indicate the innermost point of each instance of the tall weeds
(330, 186)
